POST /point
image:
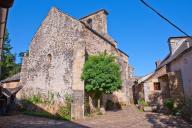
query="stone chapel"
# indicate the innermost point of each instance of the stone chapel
(57, 54)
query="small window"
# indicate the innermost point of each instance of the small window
(89, 22)
(49, 58)
(157, 86)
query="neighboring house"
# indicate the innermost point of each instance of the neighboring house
(58, 52)
(11, 82)
(8, 90)
(151, 88)
(179, 65)
(138, 88)
(172, 77)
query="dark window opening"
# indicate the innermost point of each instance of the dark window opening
(157, 86)
(49, 58)
(89, 22)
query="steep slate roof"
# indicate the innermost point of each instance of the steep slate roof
(184, 45)
(15, 77)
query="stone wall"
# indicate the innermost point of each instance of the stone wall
(97, 21)
(54, 57)
(152, 96)
(57, 55)
(176, 88)
(95, 45)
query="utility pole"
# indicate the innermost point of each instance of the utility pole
(4, 8)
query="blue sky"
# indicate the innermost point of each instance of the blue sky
(139, 32)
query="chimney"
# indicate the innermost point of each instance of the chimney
(97, 21)
(157, 63)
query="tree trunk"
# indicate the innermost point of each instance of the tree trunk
(99, 103)
(91, 105)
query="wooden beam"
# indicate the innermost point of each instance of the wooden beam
(6, 3)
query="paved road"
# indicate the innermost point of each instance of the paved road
(128, 118)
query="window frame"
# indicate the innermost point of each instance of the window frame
(157, 86)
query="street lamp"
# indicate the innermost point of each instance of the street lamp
(4, 8)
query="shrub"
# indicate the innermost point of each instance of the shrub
(50, 99)
(141, 102)
(39, 114)
(101, 74)
(168, 103)
(64, 111)
(98, 111)
(35, 99)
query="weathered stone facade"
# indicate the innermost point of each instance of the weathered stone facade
(57, 54)
(170, 86)
(173, 74)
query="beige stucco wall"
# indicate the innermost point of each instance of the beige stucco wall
(151, 95)
(184, 64)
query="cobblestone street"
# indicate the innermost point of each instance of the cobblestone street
(127, 118)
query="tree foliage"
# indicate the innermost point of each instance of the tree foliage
(8, 64)
(101, 74)
(21, 55)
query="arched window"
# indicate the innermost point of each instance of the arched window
(49, 58)
(89, 22)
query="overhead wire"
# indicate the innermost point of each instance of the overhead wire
(167, 20)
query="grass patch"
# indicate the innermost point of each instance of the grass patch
(31, 107)
(140, 110)
(39, 114)
(46, 115)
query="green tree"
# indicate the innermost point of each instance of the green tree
(101, 74)
(8, 64)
